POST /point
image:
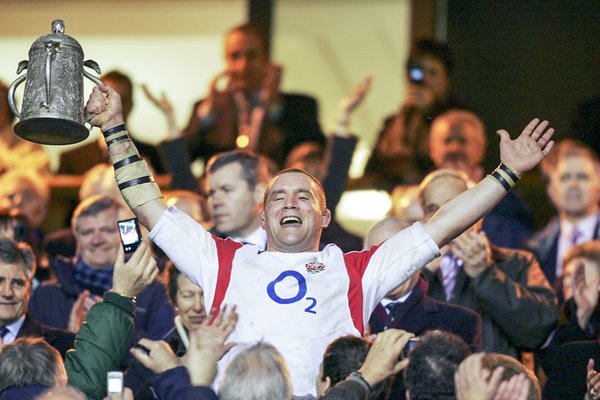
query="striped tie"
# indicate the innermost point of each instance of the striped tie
(450, 265)
(575, 236)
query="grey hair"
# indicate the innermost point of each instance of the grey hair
(62, 392)
(257, 373)
(12, 252)
(31, 361)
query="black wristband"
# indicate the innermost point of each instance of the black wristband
(126, 161)
(113, 130)
(508, 172)
(496, 175)
(358, 376)
(117, 139)
(137, 181)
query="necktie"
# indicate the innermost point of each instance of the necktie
(575, 236)
(391, 314)
(450, 265)
(3, 332)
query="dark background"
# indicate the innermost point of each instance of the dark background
(516, 60)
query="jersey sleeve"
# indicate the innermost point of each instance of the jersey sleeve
(193, 250)
(383, 268)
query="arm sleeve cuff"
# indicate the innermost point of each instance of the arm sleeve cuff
(124, 303)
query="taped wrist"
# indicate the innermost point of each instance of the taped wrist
(132, 173)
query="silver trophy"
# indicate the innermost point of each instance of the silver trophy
(53, 110)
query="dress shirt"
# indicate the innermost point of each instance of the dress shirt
(586, 229)
(13, 330)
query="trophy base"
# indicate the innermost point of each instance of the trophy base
(51, 131)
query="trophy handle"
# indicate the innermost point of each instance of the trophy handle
(94, 65)
(13, 86)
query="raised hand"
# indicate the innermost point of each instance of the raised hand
(473, 381)
(473, 248)
(592, 382)
(382, 359)
(166, 107)
(104, 108)
(586, 296)
(349, 103)
(516, 388)
(132, 277)
(156, 355)
(207, 345)
(526, 151)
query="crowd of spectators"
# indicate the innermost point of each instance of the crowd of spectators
(252, 289)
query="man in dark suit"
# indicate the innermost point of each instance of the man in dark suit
(78, 161)
(17, 267)
(506, 287)
(251, 112)
(573, 174)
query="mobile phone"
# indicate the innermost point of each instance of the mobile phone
(416, 74)
(114, 383)
(131, 236)
(412, 342)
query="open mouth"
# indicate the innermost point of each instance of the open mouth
(291, 221)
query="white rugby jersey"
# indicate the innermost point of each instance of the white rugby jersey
(298, 302)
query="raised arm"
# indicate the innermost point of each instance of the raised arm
(517, 157)
(135, 181)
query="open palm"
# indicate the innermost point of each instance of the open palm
(529, 148)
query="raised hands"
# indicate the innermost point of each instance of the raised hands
(132, 277)
(473, 248)
(207, 345)
(349, 103)
(104, 108)
(474, 382)
(156, 355)
(526, 151)
(585, 295)
(592, 382)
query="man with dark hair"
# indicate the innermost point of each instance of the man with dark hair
(235, 184)
(79, 160)
(251, 112)
(306, 297)
(17, 267)
(401, 153)
(432, 364)
(80, 282)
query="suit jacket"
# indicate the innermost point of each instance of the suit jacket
(57, 338)
(544, 244)
(421, 313)
(297, 122)
(517, 305)
(79, 160)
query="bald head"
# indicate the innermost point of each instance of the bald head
(457, 140)
(383, 230)
(439, 187)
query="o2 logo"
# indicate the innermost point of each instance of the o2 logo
(299, 296)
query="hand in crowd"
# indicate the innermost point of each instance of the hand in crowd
(270, 94)
(585, 295)
(104, 108)
(349, 103)
(156, 355)
(474, 382)
(166, 107)
(207, 346)
(127, 395)
(592, 382)
(382, 359)
(527, 150)
(82, 305)
(473, 248)
(132, 277)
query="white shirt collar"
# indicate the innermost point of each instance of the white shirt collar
(402, 299)
(258, 237)
(13, 330)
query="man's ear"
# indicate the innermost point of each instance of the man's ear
(325, 218)
(261, 218)
(259, 193)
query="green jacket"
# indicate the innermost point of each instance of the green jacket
(100, 344)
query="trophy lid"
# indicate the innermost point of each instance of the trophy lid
(57, 37)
